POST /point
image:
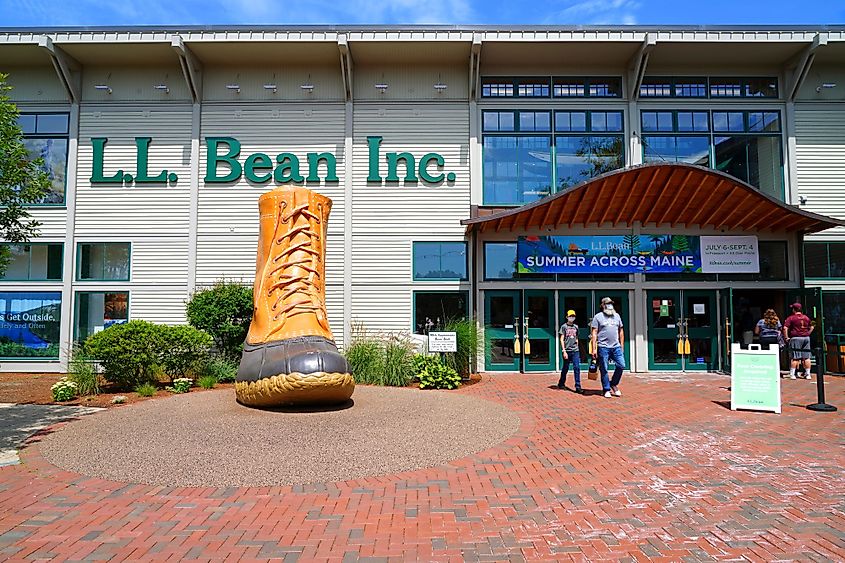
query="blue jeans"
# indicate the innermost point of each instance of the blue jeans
(575, 359)
(618, 358)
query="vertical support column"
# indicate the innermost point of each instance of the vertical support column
(347, 222)
(69, 254)
(635, 147)
(193, 210)
(791, 157)
(475, 165)
(639, 322)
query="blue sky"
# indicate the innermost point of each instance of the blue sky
(544, 12)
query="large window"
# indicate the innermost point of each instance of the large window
(46, 137)
(30, 324)
(713, 87)
(547, 86)
(95, 311)
(440, 260)
(33, 262)
(520, 146)
(824, 260)
(103, 261)
(433, 309)
(744, 144)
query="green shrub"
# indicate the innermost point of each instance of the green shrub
(183, 348)
(398, 353)
(224, 311)
(435, 375)
(364, 356)
(207, 381)
(423, 361)
(63, 390)
(470, 342)
(130, 353)
(146, 389)
(222, 370)
(83, 372)
(180, 385)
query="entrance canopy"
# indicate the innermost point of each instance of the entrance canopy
(658, 195)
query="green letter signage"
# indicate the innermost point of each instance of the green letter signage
(258, 161)
(314, 159)
(373, 147)
(230, 158)
(424, 175)
(142, 176)
(97, 176)
(288, 169)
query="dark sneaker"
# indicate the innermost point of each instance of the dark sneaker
(579, 390)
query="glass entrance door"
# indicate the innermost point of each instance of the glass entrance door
(583, 304)
(683, 330)
(538, 323)
(502, 321)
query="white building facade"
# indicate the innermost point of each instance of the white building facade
(433, 143)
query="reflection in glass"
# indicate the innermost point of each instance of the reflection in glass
(665, 351)
(538, 307)
(753, 159)
(499, 260)
(53, 153)
(501, 351)
(502, 313)
(96, 311)
(516, 169)
(30, 327)
(440, 260)
(433, 309)
(103, 261)
(580, 158)
(539, 351)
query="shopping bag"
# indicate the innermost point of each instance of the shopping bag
(593, 372)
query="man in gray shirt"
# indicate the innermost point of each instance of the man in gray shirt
(607, 337)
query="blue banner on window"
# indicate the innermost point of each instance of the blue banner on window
(29, 324)
(608, 254)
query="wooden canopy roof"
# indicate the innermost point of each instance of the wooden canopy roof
(658, 195)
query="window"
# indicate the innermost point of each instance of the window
(583, 156)
(517, 169)
(103, 261)
(440, 260)
(834, 314)
(526, 87)
(824, 259)
(433, 309)
(95, 311)
(744, 144)
(46, 137)
(592, 86)
(33, 262)
(30, 327)
(499, 260)
(703, 87)
(773, 264)
(736, 87)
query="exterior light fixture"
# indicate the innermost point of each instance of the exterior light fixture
(825, 85)
(162, 87)
(440, 87)
(307, 87)
(235, 87)
(381, 87)
(103, 88)
(270, 87)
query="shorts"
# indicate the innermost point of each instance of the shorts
(799, 346)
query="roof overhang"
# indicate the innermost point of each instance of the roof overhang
(658, 196)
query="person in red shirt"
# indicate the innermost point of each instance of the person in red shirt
(796, 332)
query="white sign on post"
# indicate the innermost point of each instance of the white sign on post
(442, 342)
(755, 378)
(731, 255)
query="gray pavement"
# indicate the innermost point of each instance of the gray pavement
(19, 422)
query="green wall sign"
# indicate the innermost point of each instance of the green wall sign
(755, 379)
(225, 165)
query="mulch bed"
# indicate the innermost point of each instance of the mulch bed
(34, 388)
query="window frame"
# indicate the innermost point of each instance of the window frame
(415, 292)
(826, 245)
(61, 277)
(78, 294)
(65, 136)
(709, 82)
(435, 280)
(53, 359)
(78, 263)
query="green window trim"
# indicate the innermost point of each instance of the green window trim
(415, 293)
(827, 246)
(414, 250)
(61, 248)
(50, 135)
(79, 246)
(76, 305)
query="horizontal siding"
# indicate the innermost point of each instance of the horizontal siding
(820, 157)
(53, 222)
(158, 304)
(327, 82)
(38, 85)
(154, 209)
(160, 260)
(388, 218)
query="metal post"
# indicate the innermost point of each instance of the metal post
(820, 406)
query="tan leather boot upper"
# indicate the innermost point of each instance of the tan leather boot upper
(289, 291)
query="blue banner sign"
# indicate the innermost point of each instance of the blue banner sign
(622, 254)
(29, 324)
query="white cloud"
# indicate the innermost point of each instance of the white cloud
(596, 12)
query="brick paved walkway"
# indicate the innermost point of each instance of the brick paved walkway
(666, 472)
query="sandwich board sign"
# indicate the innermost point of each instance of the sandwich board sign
(755, 378)
(442, 342)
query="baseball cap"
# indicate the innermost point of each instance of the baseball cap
(570, 313)
(606, 300)
(796, 306)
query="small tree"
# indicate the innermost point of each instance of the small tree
(22, 181)
(224, 311)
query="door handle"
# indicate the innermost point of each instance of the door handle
(517, 348)
(527, 347)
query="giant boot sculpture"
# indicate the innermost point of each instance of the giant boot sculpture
(289, 356)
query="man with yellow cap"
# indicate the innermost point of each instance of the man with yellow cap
(569, 349)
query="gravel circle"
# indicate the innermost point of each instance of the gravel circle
(207, 439)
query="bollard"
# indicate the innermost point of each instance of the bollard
(820, 406)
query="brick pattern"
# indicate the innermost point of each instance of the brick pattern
(665, 473)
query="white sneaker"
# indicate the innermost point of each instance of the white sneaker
(616, 392)
(792, 376)
(607, 395)
(808, 376)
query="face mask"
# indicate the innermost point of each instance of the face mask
(570, 319)
(608, 309)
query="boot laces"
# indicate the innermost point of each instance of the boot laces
(296, 292)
